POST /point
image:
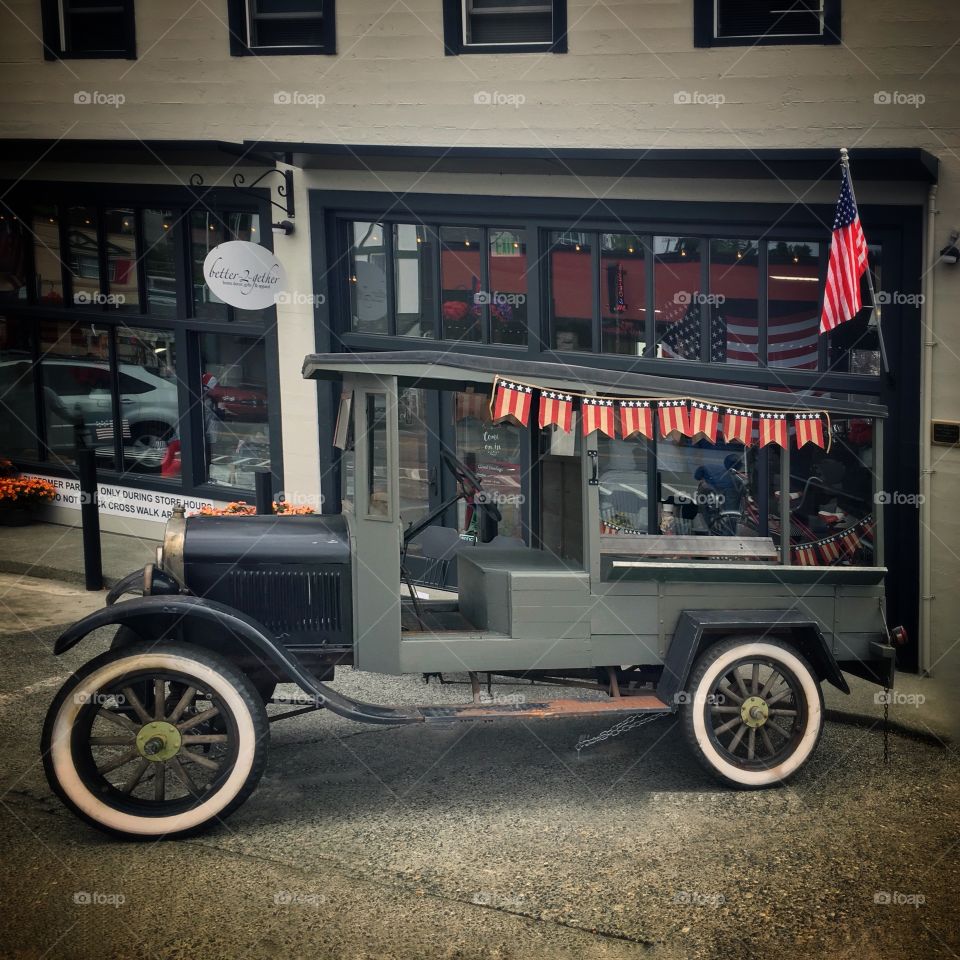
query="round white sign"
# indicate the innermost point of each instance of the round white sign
(244, 274)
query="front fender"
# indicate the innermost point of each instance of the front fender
(157, 616)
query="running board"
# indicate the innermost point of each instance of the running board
(544, 709)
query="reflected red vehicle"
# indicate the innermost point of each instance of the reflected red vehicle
(245, 401)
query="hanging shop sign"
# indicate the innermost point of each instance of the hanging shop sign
(244, 274)
(675, 416)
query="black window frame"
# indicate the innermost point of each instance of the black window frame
(453, 33)
(704, 32)
(240, 45)
(56, 45)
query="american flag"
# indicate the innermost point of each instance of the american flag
(636, 416)
(792, 337)
(597, 415)
(848, 261)
(512, 400)
(557, 409)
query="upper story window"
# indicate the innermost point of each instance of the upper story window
(259, 27)
(505, 26)
(727, 23)
(91, 29)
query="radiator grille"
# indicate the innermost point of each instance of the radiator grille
(290, 601)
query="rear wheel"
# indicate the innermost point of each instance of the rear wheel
(155, 741)
(753, 711)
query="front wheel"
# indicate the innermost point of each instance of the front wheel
(753, 711)
(150, 742)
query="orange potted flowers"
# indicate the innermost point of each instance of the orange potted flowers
(20, 496)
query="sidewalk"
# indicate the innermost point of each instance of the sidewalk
(55, 552)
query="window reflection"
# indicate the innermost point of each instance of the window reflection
(84, 255)
(734, 302)
(623, 294)
(793, 304)
(414, 465)
(234, 408)
(159, 258)
(18, 411)
(368, 278)
(462, 293)
(677, 297)
(507, 300)
(120, 237)
(415, 306)
(14, 257)
(207, 231)
(571, 297)
(46, 254)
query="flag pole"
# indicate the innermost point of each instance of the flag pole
(874, 320)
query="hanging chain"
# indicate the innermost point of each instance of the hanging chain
(627, 723)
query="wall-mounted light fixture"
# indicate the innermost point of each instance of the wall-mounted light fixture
(951, 253)
(283, 229)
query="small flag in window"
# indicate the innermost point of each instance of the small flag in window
(773, 429)
(809, 428)
(805, 556)
(556, 409)
(704, 419)
(830, 549)
(738, 425)
(512, 400)
(850, 539)
(636, 417)
(674, 418)
(597, 415)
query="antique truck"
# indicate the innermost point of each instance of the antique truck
(662, 574)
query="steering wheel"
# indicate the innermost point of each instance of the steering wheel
(469, 482)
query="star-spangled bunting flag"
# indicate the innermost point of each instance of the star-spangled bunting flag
(673, 417)
(556, 409)
(805, 555)
(809, 428)
(704, 419)
(773, 429)
(830, 549)
(636, 416)
(597, 415)
(848, 261)
(512, 400)
(738, 425)
(850, 539)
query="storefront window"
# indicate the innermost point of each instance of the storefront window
(678, 297)
(507, 302)
(461, 250)
(18, 411)
(146, 366)
(159, 257)
(77, 389)
(571, 296)
(368, 278)
(623, 484)
(623, 294)
(415, 307)
(207, 231)
(84, 255)
(235, 409)
(793, 304)
(734, 302)
(14, 258)
(492, 452)
(120, 235)
(46, 254)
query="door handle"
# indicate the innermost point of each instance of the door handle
(594, 480)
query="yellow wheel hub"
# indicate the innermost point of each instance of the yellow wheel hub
(158, 741)
(754, 712)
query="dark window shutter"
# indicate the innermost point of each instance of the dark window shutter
(759, 18)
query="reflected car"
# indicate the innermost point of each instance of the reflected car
(246, 402)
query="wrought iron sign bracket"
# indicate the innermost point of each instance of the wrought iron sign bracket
(285, 189)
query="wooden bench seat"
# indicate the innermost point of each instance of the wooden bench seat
(690, 548)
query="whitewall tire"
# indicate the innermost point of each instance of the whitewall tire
(155, 741)
(753, 711)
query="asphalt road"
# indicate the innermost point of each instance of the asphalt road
(493, 840)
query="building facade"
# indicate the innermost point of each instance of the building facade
(629, 186)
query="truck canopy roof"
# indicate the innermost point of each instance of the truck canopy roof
(443, 370)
